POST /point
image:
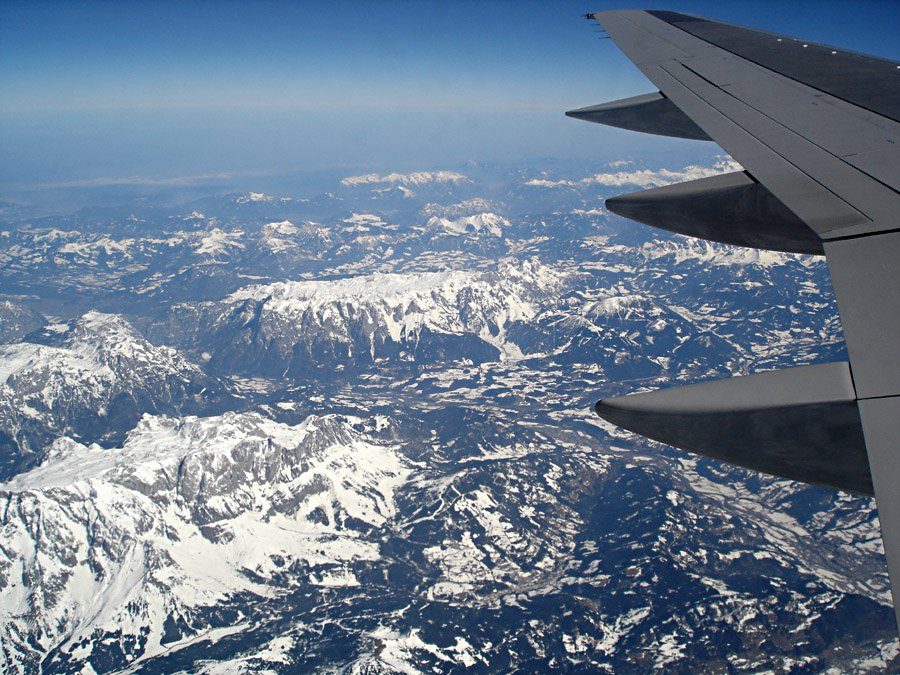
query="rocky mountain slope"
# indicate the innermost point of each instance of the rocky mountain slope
(291, 328)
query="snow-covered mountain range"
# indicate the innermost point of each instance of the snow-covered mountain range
(260, 432)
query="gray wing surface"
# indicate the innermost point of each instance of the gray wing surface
(817, 130)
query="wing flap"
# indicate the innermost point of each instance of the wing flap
(881, 425)
(864, 274)
(816, 117)
(867, 199)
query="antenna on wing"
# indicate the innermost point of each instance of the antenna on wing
(591, 17)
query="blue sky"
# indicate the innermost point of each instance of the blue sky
(93, 91)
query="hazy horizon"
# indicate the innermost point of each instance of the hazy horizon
(103, 91)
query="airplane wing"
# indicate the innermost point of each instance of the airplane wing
(817, 130)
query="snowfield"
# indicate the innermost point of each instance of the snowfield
(99, 540)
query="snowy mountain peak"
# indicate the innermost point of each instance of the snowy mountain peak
(17, 320)
(108, 340)
(402, 304)
(400, 288)
(216, 243)
(251, 197)
(94, 376)
(643, 177)
(469, 207)
(285, 228)
(490, 223)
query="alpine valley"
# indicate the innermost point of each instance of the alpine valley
(352, 432)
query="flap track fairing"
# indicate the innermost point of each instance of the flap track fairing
(800, 423)
(729, 208)
(650, 113)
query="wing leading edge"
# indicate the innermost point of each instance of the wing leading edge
(817, 130)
